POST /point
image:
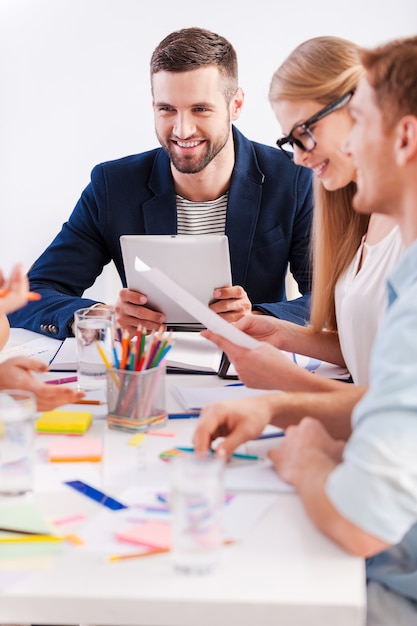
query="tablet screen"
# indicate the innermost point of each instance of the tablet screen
(198, 263)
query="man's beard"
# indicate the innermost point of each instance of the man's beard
(190, 164)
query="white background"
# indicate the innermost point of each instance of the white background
(75, 89)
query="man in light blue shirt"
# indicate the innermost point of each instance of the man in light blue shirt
(367, 499)
(363, 495)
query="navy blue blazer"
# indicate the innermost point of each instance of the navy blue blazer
(268, 223)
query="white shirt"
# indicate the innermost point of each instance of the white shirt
(360, 300)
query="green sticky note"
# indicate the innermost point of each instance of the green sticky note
(24, 517)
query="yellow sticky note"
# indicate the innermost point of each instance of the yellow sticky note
(136, 440)
(64, 422)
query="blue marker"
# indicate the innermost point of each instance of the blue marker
(176, 416)
(271, 435)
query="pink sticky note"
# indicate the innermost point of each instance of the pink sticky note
(152, 533)
(161, 433)
(68, 449)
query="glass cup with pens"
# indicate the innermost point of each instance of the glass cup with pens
(136, 385)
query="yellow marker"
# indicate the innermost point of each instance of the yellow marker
(103, 355)
(107, 363)
(31, 539)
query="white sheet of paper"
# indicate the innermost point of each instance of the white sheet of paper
(194, 398)
(51, 476)
(191, 351)
(240, 515)
(41, 349)
(65, 360)
(257, 476)
(201, 312)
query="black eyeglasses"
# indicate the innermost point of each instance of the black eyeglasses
(301, 135)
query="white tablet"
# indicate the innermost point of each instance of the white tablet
(198, 263)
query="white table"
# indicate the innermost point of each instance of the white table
(283, 572)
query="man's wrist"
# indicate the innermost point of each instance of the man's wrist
(71, 323)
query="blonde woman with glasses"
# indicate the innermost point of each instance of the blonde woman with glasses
(352, 253)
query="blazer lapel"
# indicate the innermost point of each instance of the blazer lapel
(243, 206)
(160, 212)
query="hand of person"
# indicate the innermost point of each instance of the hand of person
(264, 367)
(236, 420)
(131, 312)
(17, 286)
(232, 303)
(308, 441)
(266, 328)
(16, 373)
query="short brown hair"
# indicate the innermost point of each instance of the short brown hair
(392, 74)
(191, 48)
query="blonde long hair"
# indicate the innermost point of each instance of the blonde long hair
(324, 69)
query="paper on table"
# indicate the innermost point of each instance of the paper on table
(194, 398)
(192, 352)
(200, 311)
(259, 476)
(51, 476)
(42, 349)
(241, 513)
(100, 533)
(65, 360)
(25, 517)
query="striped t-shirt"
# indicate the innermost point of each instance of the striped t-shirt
(201, 218)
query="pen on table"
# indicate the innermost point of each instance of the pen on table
(281, 433)
(175, 416)
(62, 381)
(235, 385)
(96, 402)
(30, 295)
(137, 555)
(235, 455)
(31, 539)
(20, 531)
